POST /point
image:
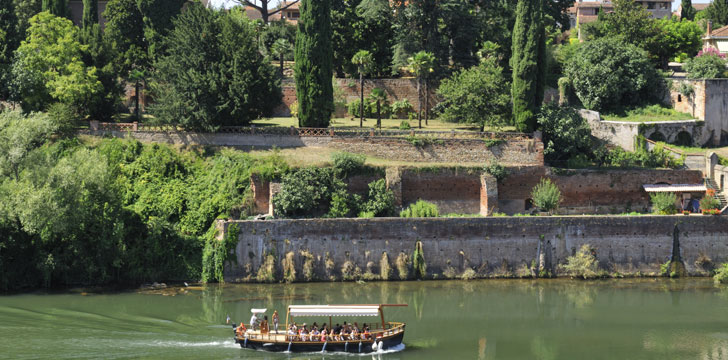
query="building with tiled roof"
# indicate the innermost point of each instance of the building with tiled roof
(716, 39)
(584, 12)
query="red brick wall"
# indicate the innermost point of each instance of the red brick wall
(454, 191)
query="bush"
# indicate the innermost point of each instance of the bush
(420, 209)
(370, 109)
(402, 108)
(583, 264)
(546, 196)
(343, 204)
(380, 201)
(65, 117)
(721, 275)
(347, 163)
(565, 133)
(709, 203)
(663, 203)
(707, 65)
(404, 125)
(307, 192)
(608, 73)
(496, 170)
(294, 109)
(642, 158)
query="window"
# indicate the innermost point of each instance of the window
(651, 5)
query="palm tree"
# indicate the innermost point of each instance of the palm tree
(379, 97)
(280, 49)
(137, 76)
(363, 59)
(421, 64)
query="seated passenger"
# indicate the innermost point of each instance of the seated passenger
(336, 332)
(354, 334)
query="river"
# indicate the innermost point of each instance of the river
(489, 319)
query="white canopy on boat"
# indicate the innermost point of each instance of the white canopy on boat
(258, 311)
(333, 310)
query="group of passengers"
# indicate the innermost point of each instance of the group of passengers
(344, 332)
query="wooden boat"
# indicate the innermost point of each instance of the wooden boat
(383, 335)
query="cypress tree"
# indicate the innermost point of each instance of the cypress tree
(528, 63)
(56, 7)
(314, 64)
(90, 14)
(687, 11)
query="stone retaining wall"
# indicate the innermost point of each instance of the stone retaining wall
(332, 249)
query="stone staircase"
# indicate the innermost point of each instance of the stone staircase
(710, 183)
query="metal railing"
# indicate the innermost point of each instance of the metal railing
(390, 329)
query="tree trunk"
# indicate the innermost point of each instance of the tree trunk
(361, 99)
(379, 115)
(281, 65)
(419, 101)
(427, 102)
(137, 97)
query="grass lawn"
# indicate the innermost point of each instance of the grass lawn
(650, 113)
(387, 124)
(321, 156)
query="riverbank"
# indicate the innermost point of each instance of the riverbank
(400, 248)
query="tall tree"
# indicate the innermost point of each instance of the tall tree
(687, 11)
(717, 12)
(9, 41)
(378, 97)
(421, 64)
(48, 66)
(263, 7)
(24, 10)
(90, 14)
(314, 68)
(56, 7)
(528, 64)
(212, 74)
(363, 60)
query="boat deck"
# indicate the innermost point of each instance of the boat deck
(281, 337)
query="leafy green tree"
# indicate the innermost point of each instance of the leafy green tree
(680, 37)
(717, 12)
(9, 41)
(380, 200)
(48, 66)
(56, 7)
(607, 73)
(213, 74)
(24, 10)
(314, 68)
(421, 64)
(565, 133)
(708, 65)
(687, 10)
(19, 135)
(478, 95)
(363, 61)
(528, 64)
(263, 7)
(379, 98)
(281, 48)
(90, 14)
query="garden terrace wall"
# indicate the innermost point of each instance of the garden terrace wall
(449, 147)
(493, 247)
(708, 102)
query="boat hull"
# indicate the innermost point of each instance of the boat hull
(299, 347)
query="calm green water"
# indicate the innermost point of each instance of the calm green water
(492, 319)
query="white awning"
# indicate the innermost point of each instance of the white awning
(677, 188)
(258, 311)
(333, 310)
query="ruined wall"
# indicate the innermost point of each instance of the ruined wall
(396, 89)
(452, 190)
(708, 102)
(590, 191)
(333, 249)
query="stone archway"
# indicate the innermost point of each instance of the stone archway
(657, 136)
(683, 138)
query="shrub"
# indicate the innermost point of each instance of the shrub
(583, 264)
(663, 203)
(546, 195)
(721, 275)
(565, 133)
(65, 117)
(709, 203)
(370, 109)
(343, 204)
(294, 109)
(380, 201)
(307, 191)
(420, 209)
(706, 65)
(608, 73)
(347, 163)
(404, 125)
(496, 170)
(469, 274)
(402, 108)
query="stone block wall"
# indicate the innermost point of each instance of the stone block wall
(494, 247)
(708, 102)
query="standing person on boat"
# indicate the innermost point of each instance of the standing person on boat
(275, 321)
(253, 320)
(264, 325)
